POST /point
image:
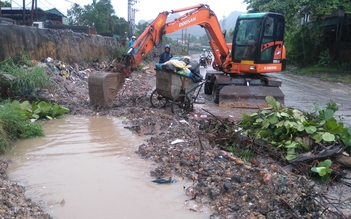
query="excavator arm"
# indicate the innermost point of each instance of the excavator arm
(199, 14)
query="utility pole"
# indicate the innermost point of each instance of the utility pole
(24, 12)
(188, 43)
(131, 17)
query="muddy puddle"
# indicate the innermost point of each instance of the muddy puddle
(86, 168)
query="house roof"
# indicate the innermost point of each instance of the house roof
(55, 11)
(50, 11)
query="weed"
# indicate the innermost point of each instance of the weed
(323, 169)
(22, 81)
(245, 155)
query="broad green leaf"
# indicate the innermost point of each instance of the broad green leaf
(58, 111)
(321, 171)
(314, 169)
(258, 120)
(271, 100)
(284, 114)
(328, 114)
(26, 106)
(265, 124)
(298, 115)
(300, 127)
(265, 133)
(290, 154)
(334, 127)
(326, 163)
(310, 129)
(280, 123)
(317, 137)
(328, 137)
(273, 119)
(253, 114)
(347, 142)
(44, 107)
(293, 144)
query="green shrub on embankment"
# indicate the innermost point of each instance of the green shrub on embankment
(286, 128)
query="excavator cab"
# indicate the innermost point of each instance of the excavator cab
(258, 39)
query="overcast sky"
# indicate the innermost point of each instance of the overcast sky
(148, 9)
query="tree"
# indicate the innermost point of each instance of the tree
(304, 43)
(299, 8)
(140, 27)
(5, 4)
(100, 15)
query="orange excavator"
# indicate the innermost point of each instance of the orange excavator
(239, 77)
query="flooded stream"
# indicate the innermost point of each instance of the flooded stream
(85, 167)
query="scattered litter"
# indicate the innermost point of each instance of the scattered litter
(162, 180)
(183, 121)
(177, 141)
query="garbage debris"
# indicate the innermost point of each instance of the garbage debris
(162, 180)
(182, 66)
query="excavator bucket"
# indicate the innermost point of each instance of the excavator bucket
(248, 96)
(103, 87)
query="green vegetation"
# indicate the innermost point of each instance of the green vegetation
(323, 169)
(14, 125)
(331, 74)
(18, 81)
(294, 130)
(99, 14)
(245, 155)
(5, 4)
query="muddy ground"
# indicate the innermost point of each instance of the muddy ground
(185, 146)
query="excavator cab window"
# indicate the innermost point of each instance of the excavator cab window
(256, 36)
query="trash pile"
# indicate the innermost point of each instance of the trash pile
(65, 70)
(183, 66)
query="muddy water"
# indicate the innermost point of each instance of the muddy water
(87, 168)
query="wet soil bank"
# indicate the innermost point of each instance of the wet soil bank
(63, 45)
(183, 146)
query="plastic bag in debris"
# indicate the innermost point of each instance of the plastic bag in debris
(179, 65)
(185, 72)
(186, 59)
(176, 58)
(168, 67)
(195, 70)
(158, 66)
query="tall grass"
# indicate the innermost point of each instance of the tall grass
(14, 125)
(23, 81)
